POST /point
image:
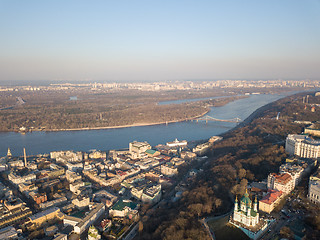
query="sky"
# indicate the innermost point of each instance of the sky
(159, 40)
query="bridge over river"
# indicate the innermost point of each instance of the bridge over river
(208, 118)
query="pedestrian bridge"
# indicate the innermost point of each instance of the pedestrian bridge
(208, 118)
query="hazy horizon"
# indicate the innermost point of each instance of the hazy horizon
(147, 41)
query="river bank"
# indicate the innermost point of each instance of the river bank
(39, 142)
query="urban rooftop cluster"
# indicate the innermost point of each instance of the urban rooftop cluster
(65, 193)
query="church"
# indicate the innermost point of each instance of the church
(246, 213)
(246, 217)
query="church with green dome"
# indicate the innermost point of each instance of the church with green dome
(246, 217)
(246, 212)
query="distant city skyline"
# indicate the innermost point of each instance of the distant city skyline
(158, 40)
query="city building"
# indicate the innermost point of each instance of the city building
(151, 194)
(187, 155)
(145, 191)
(302, 146)
(81, 202)
(281, 182)
(97, 155)
(12, 212)
(294, 170)
(169, 169)
(93, 215)
(70, 220)
(312, 131)
(74, 166)
(50, 214)
(314, 187)
(15, 179)
(215, 139)
(56, 202)
(123, 208)
(137, 149)
(67, 156)
(55, 171)
(270, 201)
(38, 198)
(201, 148)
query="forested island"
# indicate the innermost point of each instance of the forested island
(247, 153)
(80, 110)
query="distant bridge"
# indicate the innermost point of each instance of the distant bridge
(208, 118)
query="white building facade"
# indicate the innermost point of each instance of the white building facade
(302, 146)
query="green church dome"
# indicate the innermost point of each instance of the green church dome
(245, 199)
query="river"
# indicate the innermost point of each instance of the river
(44, 142)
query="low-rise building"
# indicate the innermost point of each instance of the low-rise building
(215, 139)
(81, 202)
(104, 196)
(169, 169)
(16, 163)
(40, 218)
(38, 198)
(201, 148)
(151, 194)
(74, 187)
(93, 215)
(123, 208)
(53, 203)
(97, 155)
(270, 201)
(55, 171)
(15, 179)
(70, 220)
(72, 176)
(147, 163)
(101, 181)
(66, 156)
(187, 155)
(74, 166)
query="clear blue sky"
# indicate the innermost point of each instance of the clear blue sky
(159, 40)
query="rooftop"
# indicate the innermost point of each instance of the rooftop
(44, 213)
(121, 204)
(283, 178)
(271, 197)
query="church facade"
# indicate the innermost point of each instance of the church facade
(246, 217)
(246, 212)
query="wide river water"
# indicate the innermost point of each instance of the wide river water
(44, 142)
